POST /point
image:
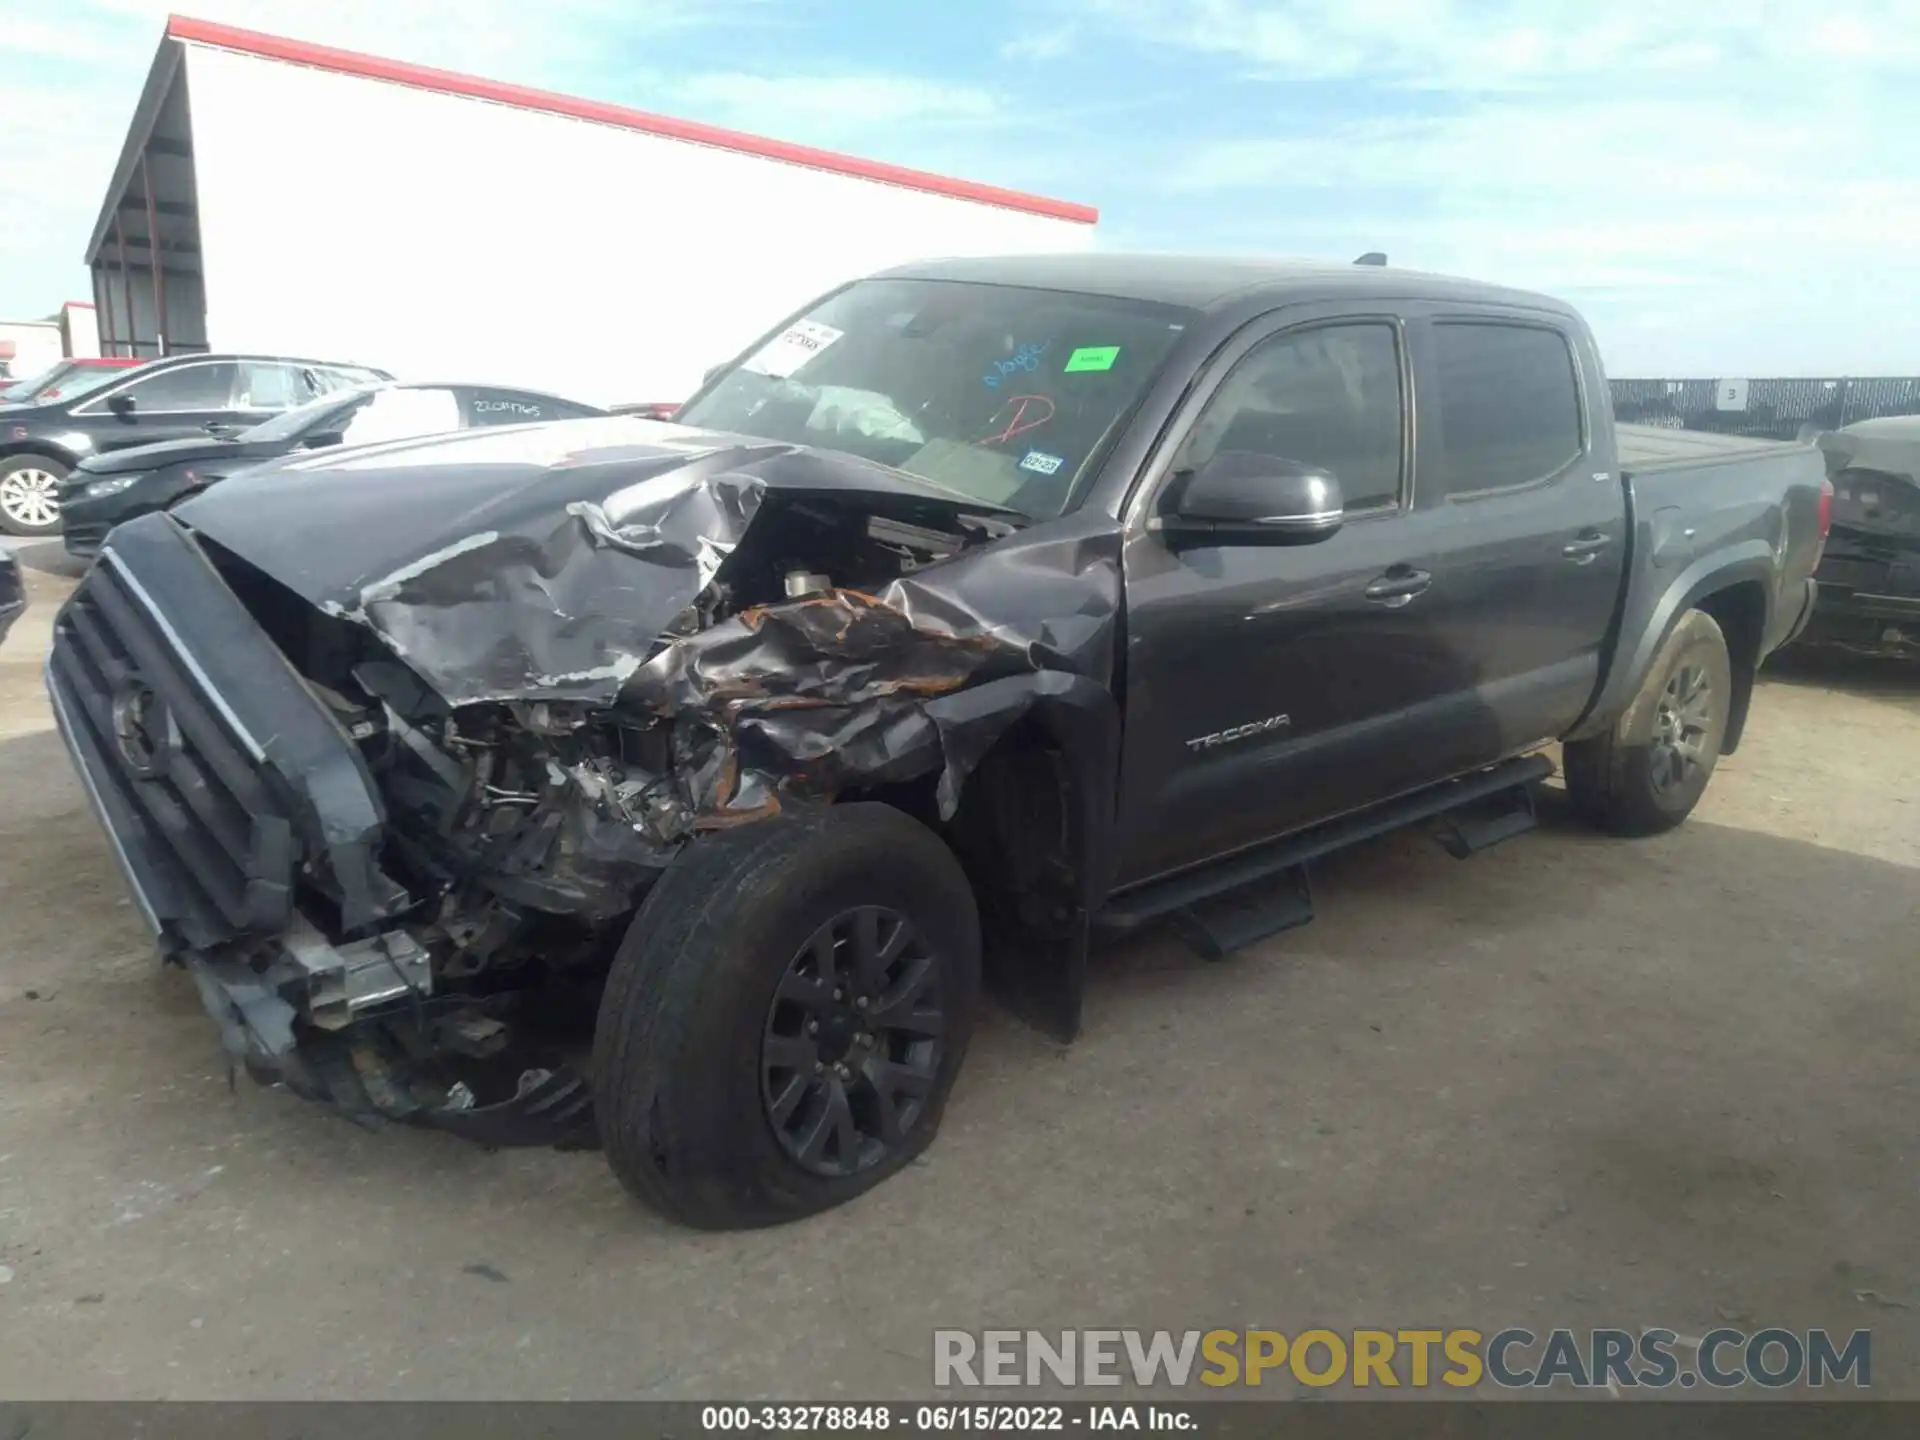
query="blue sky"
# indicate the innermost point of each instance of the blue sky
(1724, 190)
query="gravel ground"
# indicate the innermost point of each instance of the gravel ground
(1575, 1081)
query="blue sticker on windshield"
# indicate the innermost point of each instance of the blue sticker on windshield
(1024, 360)
(1041, 463)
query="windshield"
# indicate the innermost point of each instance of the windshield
(1002, 394)
(292, 424)
(84, 381)
(27, 388)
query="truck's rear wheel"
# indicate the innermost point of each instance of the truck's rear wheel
(1647, 773)
(786, 1016)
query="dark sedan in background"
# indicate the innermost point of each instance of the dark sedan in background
(108, 489)
(170, 399)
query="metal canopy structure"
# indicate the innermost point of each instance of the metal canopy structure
(148, 288)
(474, 228)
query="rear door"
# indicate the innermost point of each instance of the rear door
(1527, 511)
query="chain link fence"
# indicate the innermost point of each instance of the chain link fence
(1767, 409)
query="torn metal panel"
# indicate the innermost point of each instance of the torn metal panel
(544, 562)
(847, 688)
(573, 569)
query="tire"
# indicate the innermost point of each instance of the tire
(698, 1018)
(1647, 772)
(28, 485)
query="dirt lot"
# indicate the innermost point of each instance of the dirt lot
(1574, 1081)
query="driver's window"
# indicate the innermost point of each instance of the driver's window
(1329, 397)
(206, 386)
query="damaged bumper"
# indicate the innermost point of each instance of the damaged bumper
(218, 793)
(292, 1025)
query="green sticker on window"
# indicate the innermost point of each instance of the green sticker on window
(1093, 357)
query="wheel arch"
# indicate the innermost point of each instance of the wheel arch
(1734, 587)
(1031, 763)
(1740, 609)
(42, 449)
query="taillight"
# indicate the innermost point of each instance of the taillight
(1826, 519)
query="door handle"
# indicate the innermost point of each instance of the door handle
(1398, 586)
(1583, 549)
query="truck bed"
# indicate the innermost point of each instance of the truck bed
(1646, 449)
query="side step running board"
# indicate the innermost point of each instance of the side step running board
(1223, 907)
(1467, 831)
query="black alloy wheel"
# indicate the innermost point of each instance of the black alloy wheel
(852, 1044)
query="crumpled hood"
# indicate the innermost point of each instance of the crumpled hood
(137, 458)
(529, 562)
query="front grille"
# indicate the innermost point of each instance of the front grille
(176, 764)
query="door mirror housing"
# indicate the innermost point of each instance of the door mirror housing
(1238, 498)
(121, 405)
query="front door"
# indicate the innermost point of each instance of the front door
(1269, 686)
(176, 404)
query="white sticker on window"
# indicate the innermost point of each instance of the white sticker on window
(1041, 463)
(792, 348)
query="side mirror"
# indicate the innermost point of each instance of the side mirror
(121, 405)
(1238, 498)
(324, 439)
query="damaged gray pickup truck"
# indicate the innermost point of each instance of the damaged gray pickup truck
(673, 787)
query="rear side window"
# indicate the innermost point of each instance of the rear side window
(1509, 405)
(403, 413)
(266, 385)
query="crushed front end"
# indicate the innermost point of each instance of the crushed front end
(395, 826)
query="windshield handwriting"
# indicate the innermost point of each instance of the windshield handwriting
(1024, 360)
(1020, 414)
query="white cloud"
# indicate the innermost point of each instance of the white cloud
(1039, 46)
(1487, 45)
(1732, 191)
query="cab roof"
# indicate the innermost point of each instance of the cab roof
(1208, 282)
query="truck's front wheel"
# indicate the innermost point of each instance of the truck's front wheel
(786, 1016)
(1648, 771)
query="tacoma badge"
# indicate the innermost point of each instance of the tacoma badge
(1238, 732)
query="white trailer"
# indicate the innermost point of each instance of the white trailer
(442, 226)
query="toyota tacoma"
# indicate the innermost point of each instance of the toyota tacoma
(676, 788)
